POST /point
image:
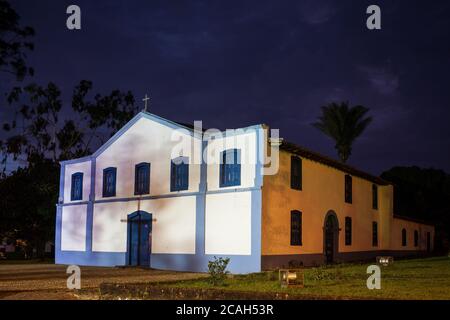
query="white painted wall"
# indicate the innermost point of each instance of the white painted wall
(246, 142)
(172, 232)
(228, 223)
(228, 215)
(85, 168)
(174, 228)
(73, 231)
(147, 141)
(109, 233)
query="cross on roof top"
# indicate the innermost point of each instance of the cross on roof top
(146, 98)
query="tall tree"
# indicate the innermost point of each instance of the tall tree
(14, 42)
(41, 133)
(343, 124)
(43, 130)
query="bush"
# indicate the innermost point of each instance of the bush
(217, 270)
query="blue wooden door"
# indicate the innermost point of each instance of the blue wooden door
(139, 239)
(134, 242)
(144, 247)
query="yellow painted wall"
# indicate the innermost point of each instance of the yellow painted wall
(322, 191)
(410, 226)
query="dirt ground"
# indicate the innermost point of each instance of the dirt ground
(48, 281)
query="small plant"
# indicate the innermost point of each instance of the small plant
(318, 274)
(325, 273)
(217, 270)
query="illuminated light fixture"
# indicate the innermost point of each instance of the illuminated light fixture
(290, 278)
(385, 261)
(276, 141)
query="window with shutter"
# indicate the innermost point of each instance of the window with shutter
(179, 174)
(404, 237)
(348, 188)
(230, 168)
(348, 231)
(374, 234)
(296, 173)
(296, 228)
(375, 196)
(77, 187)
(142, 178)
(109, 182)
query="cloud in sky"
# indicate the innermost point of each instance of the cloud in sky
(316, 12)
(381, 79)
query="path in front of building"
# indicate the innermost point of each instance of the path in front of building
(49, 281)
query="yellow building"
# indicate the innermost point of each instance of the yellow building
(317, 210)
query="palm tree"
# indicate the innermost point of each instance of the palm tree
(343, 124)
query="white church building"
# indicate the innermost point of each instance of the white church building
(160, 194)
(146, 198)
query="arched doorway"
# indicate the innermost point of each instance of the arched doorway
(331, 237)
(139, 238)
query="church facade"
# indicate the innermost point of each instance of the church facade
(163, 195)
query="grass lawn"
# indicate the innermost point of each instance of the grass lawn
(405, 279)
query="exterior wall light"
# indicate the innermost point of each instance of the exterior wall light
(385, 261)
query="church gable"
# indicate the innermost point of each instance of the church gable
(143, 127)
(151, 140)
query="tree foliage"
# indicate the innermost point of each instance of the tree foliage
(14, 43)
(27, 204)
(42, 133)
(43, 130)
(343, 124)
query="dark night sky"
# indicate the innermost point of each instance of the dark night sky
(237, 63)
